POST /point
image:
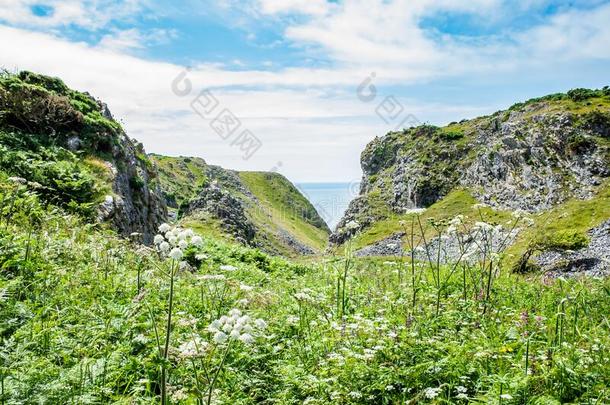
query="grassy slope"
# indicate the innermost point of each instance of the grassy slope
(574, 214)
(286, 208)
(281, 206)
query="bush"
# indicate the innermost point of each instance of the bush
(34, 109)
(582, 94)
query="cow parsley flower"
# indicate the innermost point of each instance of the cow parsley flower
(175, 254)
(164, 247)
(431, 393)
(235, 327)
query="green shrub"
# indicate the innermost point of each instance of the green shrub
(582, 94)
(34, 109)
(452, 135)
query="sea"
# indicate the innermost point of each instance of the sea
(330, 199)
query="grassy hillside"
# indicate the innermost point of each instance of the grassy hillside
(181, 178)
(276, 208)
(284, 207)
(84, 315)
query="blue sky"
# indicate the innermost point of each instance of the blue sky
(289, 69)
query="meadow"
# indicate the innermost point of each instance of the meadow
(87, 317)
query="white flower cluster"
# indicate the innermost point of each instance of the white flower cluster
(236, 326)
(431, 393)
(171, 242)
(193, 348)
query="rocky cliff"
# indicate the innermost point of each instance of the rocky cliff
(258, 209)
(534, 156)
(67, 145)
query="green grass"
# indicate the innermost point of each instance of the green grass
(180, 177)
(283, 206)
(458, 202)
(76, 305)
(577, 216)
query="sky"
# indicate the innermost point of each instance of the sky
(301, 86)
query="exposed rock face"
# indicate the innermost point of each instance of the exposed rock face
(228, 209)
(533, 164)
(531, 158)
(391, 246)
(138, 204)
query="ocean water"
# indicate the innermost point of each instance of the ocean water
(330, 199)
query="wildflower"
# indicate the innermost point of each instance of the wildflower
(175, 254)
(483, 226)
(355, 395)
(220, 337)
(200, 256)
(159, 239)
(508, 397)
(246, 338)
(456, 220)
(228, 267)
(197, 241)
(164, 247)
(461, 389)
(246, 288)
(179, 395)
(261, 324)
(183, 244)
(163, 228)
(431, 393)
(213, 277)
(461, 395)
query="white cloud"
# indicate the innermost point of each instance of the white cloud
(90, 14)
(310, 7)
(302, 115)
(124, 40)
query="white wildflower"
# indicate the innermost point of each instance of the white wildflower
(183, 244)
(261, 324)
(159, 239)
(164, 247)
(228, 267)
(164, 228)
(197, 240)
(175, 254)
(245, 287)
(508, 397)
(246, 338)
(220, 338)
(432, 393)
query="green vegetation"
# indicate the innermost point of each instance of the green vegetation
(278, 208)
(282, 206)
(78, 307)
(181, 178)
